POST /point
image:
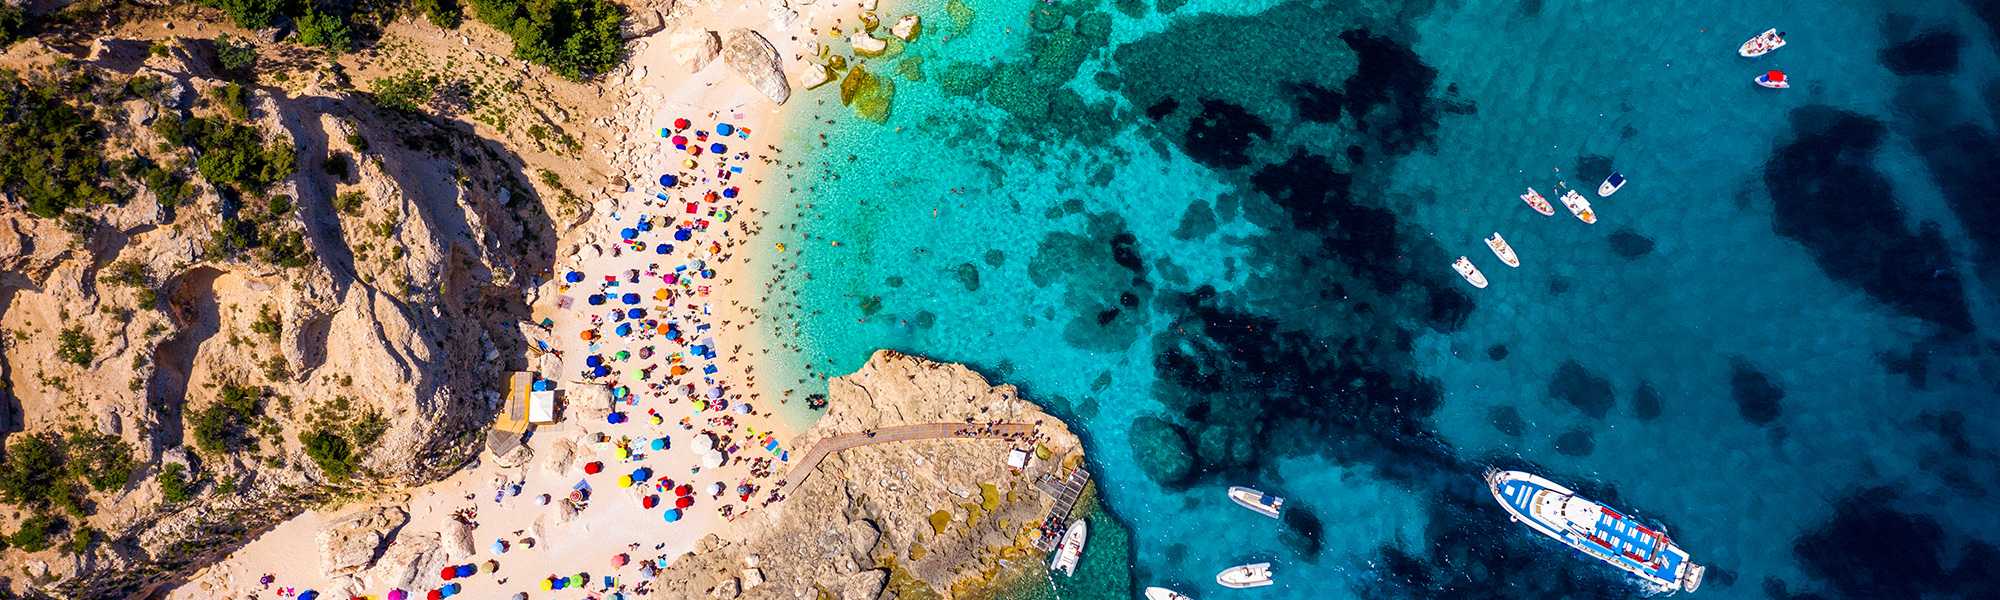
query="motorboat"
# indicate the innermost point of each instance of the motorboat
(1763, 44)
(1775, 80)
(1246, 576)
(1579, 206)
(1540, 204)
(1071, 549)
(1610, 185)
(1469, 272)
(1264, 504)
(1160, 593)
(1502, 250)
(1595, 529)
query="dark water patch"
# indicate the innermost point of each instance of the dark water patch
(1913, 366)
(1098, 267)
(924, 320)
(1757, 397)
(1197, 222)
(1588, 393)
(1559, 285)
(1532, 8)
(968, 276)
(1128, 300)
(1170, 272)
(1102, 381)
(1958, 152)
(1827, 195)
(1316, 104)
(1929, 53)
(1160, 110)
(1870, 550)
(1168, 6)
(870, 305)
(1318, 199)
(1391, 77)
(893, 281)
(1161, 450)
(1507, 420)
(1592, 168)
(1628, 132)
(1132, 8)
(995, 258)
(1950, 426)
(1221, 135)
(1072, 206)
(1497, 352)
(1303, 530)
(1646, 403)
(1628, 244)
(1576, 442)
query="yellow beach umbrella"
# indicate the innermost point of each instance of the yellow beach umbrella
(624, 481)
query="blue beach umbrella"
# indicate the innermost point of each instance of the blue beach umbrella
(593, 360)
(631, 298)
(636, 313)
(683, 235)
(669, 180)
(663, 249)
(600, 371)
(624, 329)
(729, 192)
(595, 299)
(645, 226)
(717, 148)
(573, 276)
(660, 443)
(724, 129)
(628, 233)
(673, 514)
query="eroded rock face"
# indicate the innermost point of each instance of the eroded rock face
(694, 49)
(757, 61)
(640, 23)
(947, 510)
(352, 543)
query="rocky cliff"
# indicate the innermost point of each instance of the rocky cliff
(375, 334)
(913, 518)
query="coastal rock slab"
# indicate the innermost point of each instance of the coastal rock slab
(694, 49)
(352, 543)
(754, 59)
(640, 23)
(907, 28)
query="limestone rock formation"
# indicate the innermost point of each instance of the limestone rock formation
(640, 22)
(757, 61)
(868, 44)
(352, 543)
(694, 49)
(947, 511)
(907, 28)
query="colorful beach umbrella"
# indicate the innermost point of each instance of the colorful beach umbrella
(682, 235)
(397, 594)
(712, 459)
(600, 371)
(467, 570)
(724, 129)
(619, 560)
(624, 481)
(663, 249)
(591, 468)
(659, 443)
(595, 299)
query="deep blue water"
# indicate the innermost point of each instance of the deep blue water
(1216, 236)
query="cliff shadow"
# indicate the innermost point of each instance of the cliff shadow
(191, 304)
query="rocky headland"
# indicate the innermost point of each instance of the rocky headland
(910, 519)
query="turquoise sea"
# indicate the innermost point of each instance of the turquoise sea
(1216, 236)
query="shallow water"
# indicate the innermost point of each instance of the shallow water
(1218, 241)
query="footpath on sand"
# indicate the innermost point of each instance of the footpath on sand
(896, 434)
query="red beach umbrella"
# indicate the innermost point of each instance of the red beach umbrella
(448, 573)
(619, 560)
(682, 124)
(684, 502)
(684, 490)
(593, 467)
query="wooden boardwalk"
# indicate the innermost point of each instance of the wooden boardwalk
(895, 434)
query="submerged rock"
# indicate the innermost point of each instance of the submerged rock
(961, 16)
(757, 61)
(1161, 450)
(871, 96)
(907, 28)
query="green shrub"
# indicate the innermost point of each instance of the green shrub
(174, 484)
(103, 462)
(359, 143)
(442, 13)
(332, 453)
(54, 151)
(279, 205)
(288, 250)
(220, 427)
(231, 97)
(159, 48)
(129, 273)
(12, 19)
(349, 202)
(407, 91)
(336, 165)
(81, 540)
(76, 347)
(33, 536)
(233, 155)
(326, 31)
(575, 38)
(254, 14)
(234, 54)
(267, 323)
(33, 470)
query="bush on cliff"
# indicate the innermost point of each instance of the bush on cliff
(332, 453)
(53, 150)
(103, 462)
(575, 38)
(221, 427)
(174, 485)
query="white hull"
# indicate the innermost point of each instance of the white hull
(1071, 549)
(1246, 576)
(1160, 593)
(1611, 185)
(1537, 202)
(1502, 250)
(1469, 272)
(1579, 206)
(1254, 500)
(1765, 80)
(1761, 45)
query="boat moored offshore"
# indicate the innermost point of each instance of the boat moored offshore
(1537, 202)
(1160, 593)
(1775, 80)
(1471, 275)
(1610, 185)
(1579, 206)
(1763, 44)
(1502, 250)
(1245, 576)
(1595, 529)
(1071, 549)
(1264, 504)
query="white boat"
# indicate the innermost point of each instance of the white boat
(1579, 206)
(1469, 272)
(1610, 185)
(1246, 576)
(1160, 593)
(1071, 549)
(1763, 44)
(1775, 80)
(1264, 504)
(1540, 204)
(1595, 529)
(1502, 250)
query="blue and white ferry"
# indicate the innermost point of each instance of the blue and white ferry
(1595, 529)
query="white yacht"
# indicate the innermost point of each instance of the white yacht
(1071, 549)
(1264, 504)
(1246, 576)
